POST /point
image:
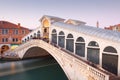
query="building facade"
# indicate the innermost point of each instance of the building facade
(11, 35)
(114, 28)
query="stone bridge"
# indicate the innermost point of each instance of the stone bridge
(77, 45)
(74, 67)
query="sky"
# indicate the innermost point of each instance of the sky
(29, 12)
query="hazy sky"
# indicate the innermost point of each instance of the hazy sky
(28, 12)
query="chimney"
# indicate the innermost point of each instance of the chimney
(97, 24)
(18, 25)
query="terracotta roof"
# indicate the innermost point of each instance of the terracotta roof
(9, 25)
(111, 27)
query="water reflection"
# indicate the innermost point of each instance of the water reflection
(12, 67)
(34, 69)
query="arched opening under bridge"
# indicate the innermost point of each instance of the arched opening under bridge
(40, 52)
(4, 48)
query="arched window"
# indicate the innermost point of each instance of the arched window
(54, 36)
(93, 43)
(110, 49)
(54, 31)
(80, 39)
(70, 43)
(70, 36)
(30, 36)
(61, 33)
(38, 34)
(61, 39)
(93, 52)
(34, 35)
(25, 39)
(80, 47)
(110, 59)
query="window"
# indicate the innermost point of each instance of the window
(4, 31)
(15, 39)
(93, 52)
(110, 59)
(70, 43)
(93, 43)
(110, 49)
(15, 31)
(61, 39)
(61, 33)
(23, 31)
(54, 36)
(70, 36)
(53, 31)
(80, 47)
(4, 39)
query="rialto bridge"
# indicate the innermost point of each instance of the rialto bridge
(83, 52)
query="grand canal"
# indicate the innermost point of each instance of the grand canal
(32, 69)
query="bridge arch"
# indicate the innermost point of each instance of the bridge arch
(70, 42)
(43, 51)
(54, 36)
(80, 47)
(110, 59)
(93, 52)
(61, 39)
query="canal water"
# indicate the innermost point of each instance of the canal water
(31, 69)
